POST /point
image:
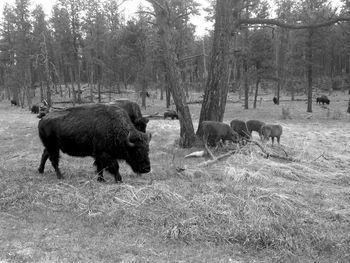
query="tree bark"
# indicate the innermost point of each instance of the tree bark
(216, 89)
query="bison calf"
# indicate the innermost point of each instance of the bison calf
(214, 132)
(240, 127)
(13, 102)
(272, 131)
(255, 125)
(103, 132)
(171, 114)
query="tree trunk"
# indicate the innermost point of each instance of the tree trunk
(41, 91)
(309, 71)
(72, 84)
(163, 15)
(214, 102)
(256, 91)
(348, 111)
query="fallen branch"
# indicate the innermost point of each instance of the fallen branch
(216, 159)
(322, 155)
(291, 159)
(209, 151)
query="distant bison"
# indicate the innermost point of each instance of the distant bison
(255, 125)
(214, 132)
(269, 130)
(134, 112)
(323, 99)
(14, 102)
(35, 109)
(275, 100)
(103, 132)
(171, 114)
(241, 128)
(43, 110)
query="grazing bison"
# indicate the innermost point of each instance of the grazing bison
(35, 109)
(103, 132)
(171, 114)
(214, 132)
(14, 102)
(241, 128)
(275, 100)
(323, 99)
(269, 130)
(255, 125)
(134, 112)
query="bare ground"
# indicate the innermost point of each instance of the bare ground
(245, 208)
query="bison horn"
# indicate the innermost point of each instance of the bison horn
(149, 136)
(128, 140)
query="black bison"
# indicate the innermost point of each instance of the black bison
(275, 100)
(14, 102)
(323, 99)
(134, 112)
(35, 109)
(171, 114)
(255, 125)
(214, 132)
(269, 130)
(241, 128)
(103, 132)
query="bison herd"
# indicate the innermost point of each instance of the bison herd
(116, 131)
(239, 131)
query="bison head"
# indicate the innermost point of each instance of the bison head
(137, 144)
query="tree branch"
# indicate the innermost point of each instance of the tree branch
(276, 22)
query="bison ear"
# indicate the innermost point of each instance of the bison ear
(128, 142)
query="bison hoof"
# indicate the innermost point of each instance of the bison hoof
(41, 170)
(119, 182)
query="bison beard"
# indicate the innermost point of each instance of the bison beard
(134, 112)
(100, 131)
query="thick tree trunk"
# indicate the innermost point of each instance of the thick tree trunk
(214, 102)
(348, 111)
(162, 11)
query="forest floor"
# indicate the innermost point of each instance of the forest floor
(245, 208)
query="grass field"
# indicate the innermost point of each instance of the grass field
(245, 208)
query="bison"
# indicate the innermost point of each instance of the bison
(134, 112)
(241, 128)
(275, 100)
(171, 114)
(214, 132)
(103, 132)
(323, 99)
(14, 102)
(35, 109)
(255, 125)
(269, 130)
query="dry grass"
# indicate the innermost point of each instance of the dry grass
(245, 208)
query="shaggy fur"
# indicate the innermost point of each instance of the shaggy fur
(134, 112)
(103, 132)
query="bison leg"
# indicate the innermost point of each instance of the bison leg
(278, 139)
(54, 158)
(44, 158)
(114, 169)
(272, 138)
(99, 170)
